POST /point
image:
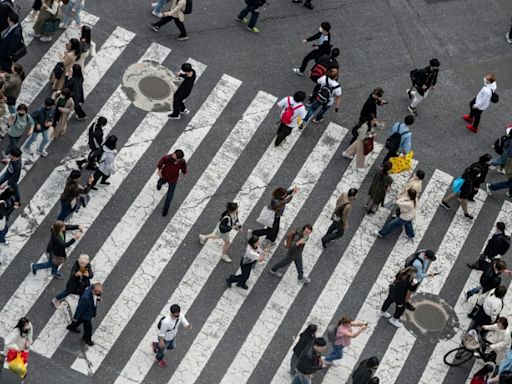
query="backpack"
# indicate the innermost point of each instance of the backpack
(289, 237)
(159, 325)
(412, 258)
(95, 156)
(494, 97)
(325, 92)
(287, 116)
(499, 144)
(188, 7)
(413, 74)
(331, 333)
(317, 72)
(393, 141)
(225, 228)
(506, 244)
(457, 184)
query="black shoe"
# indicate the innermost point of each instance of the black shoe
(323, 243)
(105, 182)
(308, 5)
(72, 329)
(228, 282)
(80, 163)
(445, 205)
(165, 212)
(242, 285)
(158, 186)
(94, 188)
(410, 307)
(468, 216)
(182, 37)
(472, 266)
(90, 343)
(471, 199)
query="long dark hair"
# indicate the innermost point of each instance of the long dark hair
(8, 192)
(74, 45)
(77, 72)
(19, 70)
(412, 195)
(21, 324)
(86, 34)
(111, 141)
(253, 240)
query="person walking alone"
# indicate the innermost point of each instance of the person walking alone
(295, 242)
(43, 119)
(79, 280)
(75, 83)
(168, 169)
(293, 113)
(22, 123)
(407, 206)
(381, 184)
(340, 216)
(496, 247)
(463, 190)
(95, 135)
(188, 75)
(397, 294)
(481, 102)
(177, 13)
(304, 345)
(320, 48)
(369, 110)
(483, 163)
(252, 7)
(86, 311)
(107, 163)
(363, 132)
(343, 337)
(11, 176)
(253, 254)
(423, 81)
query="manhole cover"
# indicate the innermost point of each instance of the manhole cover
(430, 316)
(154, 87)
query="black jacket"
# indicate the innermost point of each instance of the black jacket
(255, 3)
(13, 171)
(186, 86)
(363, 374)
(489, 279)
(95, 137)
(369, 108)
(77, 284)
(498, 244)
(325, 47)
(57, 245)
(304, 344)
(425, 76)
(75, 85)
(10, 44)
(73, 190)
(5, 9)
(309, 362)
(398, 290)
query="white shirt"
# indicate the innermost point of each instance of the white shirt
(15, 341)
(492, 306)
(169, 326)
(298, 115)
(500, 339)
(251, 254)
(332, 84)
(483, 99)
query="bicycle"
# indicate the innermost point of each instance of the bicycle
(473, 346)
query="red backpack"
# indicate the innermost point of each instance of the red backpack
(317, 72)
(287, 116)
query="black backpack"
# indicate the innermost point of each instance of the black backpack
(393, 141)
(494, 97)
(188, 7)
(412, 258)
(499, 144)
(225, 228)
(324, 94)
(95, 156)
(160, 322)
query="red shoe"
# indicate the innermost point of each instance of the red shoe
(471, 128)
(468, 118)
(162, 364)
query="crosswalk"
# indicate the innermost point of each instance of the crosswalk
(201, 350)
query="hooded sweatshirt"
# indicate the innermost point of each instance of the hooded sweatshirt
(483, 99)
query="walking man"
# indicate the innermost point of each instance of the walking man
(10, 41)
(168, 169)
(22, 123)
(340, 216)
(320, 48)
(12, 174)
(177, 13)
(295, 243)
(178, 106)
(481, 102)
(167, 330)
(369, 110)
(490, 278)
(400, 139)
(310, 362)
(292, 114)
(43, 118)
(496, 247)
(86, 311)
(329, 92)
(423, 81)
(502, 184)
(252, 7)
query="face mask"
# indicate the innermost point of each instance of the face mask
(485, 80)
(320, 30)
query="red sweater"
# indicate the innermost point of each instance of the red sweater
(171, 168)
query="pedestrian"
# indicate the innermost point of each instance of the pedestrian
(6, 8)
(490, 277)
(71, 11)
(64, 67)
(79, 279)
(310, 362)
(7, 206)
(56, 248)
(10, 41)
(321, 47)
(64, 106)
(464, 189)
(21, 337)
(365, 371)
(503, 147)
(421, 261)
(490, 188)
(228, 221)
(482, 375)
(12, 87)
(167, 331)
(295, 242)
(363, 132)
(481, 102)
(22, 123)
(369, 110)
(328, 94)
(407, 206)
(3, 104)
(252, 7)
(504, 375)
(496, 247)
(322, 65)
(280, 197)
(343, 337)
(253, 253)
(11, 177)
(75, 83)
(177, 13)
(36, 7)
(43, 30)
(107, 164)
(304, 345)
(397, 294)
(399, 141)
(499, 337)
(307, 3)
(423, 81)
(188, 76)
(71, 197)
(86, 311)
(158, 6)
(381, 184)
(488, 307)
(508, 36)
(483, 163)
(293, 113)
(95, 140)
(416, 183)
(168, 169)
(87, 46)
(340, 216)
(43, 120)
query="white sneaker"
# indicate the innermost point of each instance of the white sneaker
(507, 36)
(45, 39)
(305, 280)
(56, 303)
(344, 154)
(202, 239)
(500, 170)
(298, 72)
(387, 315)
(153, 5)
(395, 322)
(249, 234)
(226, 258)
(377, 233)
(42, 153)
(157, 14)
(185, 112)
(275, 273)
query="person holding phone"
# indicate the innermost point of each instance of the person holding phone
(344, 336)
(404, 281)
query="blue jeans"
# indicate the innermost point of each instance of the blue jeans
(398, 223)
(160, 4)
(3, 232)
(65, 210)
(13, 143)
(501, 185)
(299, 378)
(501, 160)
(160, 352)
(11, 109)
(254, 15)
(170, 193)
(68, 16)
(63, 294)
(473, 291)
(313, 107)
(45, 265)
(336, 353)
(3, 178)
(33, 137)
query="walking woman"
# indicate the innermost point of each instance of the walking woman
(75, 83)
(406, 212)
(50, 9)
(12, 88)
(71, 195)
(64, 106)
(68, 58)
(21, 337)
(397, 294)
(87, 46)
(7, 205)
(253, 253)
(484, 162)
(228, 221)
(304, 345)
(57, 247)
(95, 136)
(107, 163)
(79, 279)
(280, 197)
(381, 184)
(344, 336)
(367, 130)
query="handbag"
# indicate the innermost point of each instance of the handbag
(266, 217)
(58, 260)
(51, 25)
(401, 163)
(58, 70)
(368, 145)
(20, 51)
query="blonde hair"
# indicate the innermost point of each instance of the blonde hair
(83, 259)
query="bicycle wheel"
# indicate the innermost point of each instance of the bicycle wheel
(458, 356)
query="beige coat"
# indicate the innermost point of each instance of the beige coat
(413, 183)
(407, 208)
(357, 147)
(177, 7)
(69, 59)
(62, 125)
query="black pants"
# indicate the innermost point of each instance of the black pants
(389, 155)
(313, 55)
(270, 233)
(37, 5)
(79, 110)
(475, 113)
(244, 276)
(282, 132)
(334, 232)
(178, 105)
(179, 24)
(399, 310)
(287, 261)
(87, 328)
(510, 33)
(97, 175)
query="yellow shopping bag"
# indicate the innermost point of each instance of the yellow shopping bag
(401, 163)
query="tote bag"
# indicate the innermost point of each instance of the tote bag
(266, 217)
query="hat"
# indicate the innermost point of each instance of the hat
(430, 254)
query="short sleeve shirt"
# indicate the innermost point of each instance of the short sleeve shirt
(334, 87)
(169, 327)
(298, 114)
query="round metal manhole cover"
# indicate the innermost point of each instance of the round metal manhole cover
(154, 87)
(430, 317)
